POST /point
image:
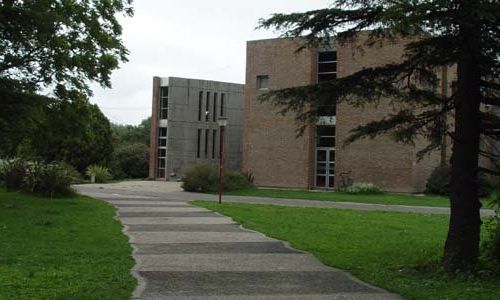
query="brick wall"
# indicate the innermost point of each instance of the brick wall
(154, 128)
(271, 150)
(390, 165)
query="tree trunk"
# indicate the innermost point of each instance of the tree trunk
(462, 244)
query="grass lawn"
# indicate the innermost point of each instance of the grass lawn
(395, 251)
(386, 198)
(64, 248)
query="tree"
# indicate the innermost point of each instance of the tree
(60, 45)
(76, 132)
(133, 134)
(133, 159)
(131, 155)
(461, 33)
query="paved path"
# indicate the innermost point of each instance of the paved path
(187, 252)
(173, 190)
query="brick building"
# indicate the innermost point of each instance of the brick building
(184, 129)
(318, 159)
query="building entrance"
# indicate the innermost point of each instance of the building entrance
(325, 167)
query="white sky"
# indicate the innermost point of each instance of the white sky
(185, 38)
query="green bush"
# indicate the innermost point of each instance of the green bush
(491, 244)
(38, 177)
(55, 179)
(439, 183)
(13, 173)
(204, 178)
(76, 177)
(98, 174)
(363, 188)
(32, 178)
(133, 160)
(236, 181)
(200, 178)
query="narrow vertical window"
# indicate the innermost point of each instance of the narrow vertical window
(164, 102)
(327, 66)
(207, 107)
(222, 100)
(200, 105)
(214, 118)
(198, 142)
(162, 152)
(207, 134)
(214, 142)
(327, 70)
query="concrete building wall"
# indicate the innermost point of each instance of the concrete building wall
(272, 152)
(183, 124)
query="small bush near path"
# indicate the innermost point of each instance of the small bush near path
(49, 179)
(364, 188)
(62, 248)
(204, 178)
(395, 251)
(438, 183)
(13, 172)
(98, 174)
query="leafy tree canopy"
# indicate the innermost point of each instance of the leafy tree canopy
(132, 134)
(60, 45)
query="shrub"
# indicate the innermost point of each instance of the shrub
(439, 183)
(491, 244)
(200, 178)
(204, 178)
(98, 174)
(133, 160)
(76, 177)
(32, 177)
(13, 173)
(55, 179)
(236, 181)
(363, 188)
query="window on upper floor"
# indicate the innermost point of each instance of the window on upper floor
(327, 65)
(214, 115)
(200, 105)
(222, 104)
(164, 102)
(207, 107)
(262, 82)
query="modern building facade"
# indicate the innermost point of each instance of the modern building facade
(276, 157)
(184, 129)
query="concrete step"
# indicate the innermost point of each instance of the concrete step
(274, 285)
(167, 214)
(214, 248)
(186, 227)
(206, 219)
(230, 262)
(144, 237)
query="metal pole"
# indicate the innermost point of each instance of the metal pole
(221, 162)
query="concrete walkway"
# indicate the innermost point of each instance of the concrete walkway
(187, 252)
(173, 190)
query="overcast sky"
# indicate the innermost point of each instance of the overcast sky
(185, 38)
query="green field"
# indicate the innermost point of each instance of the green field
(395, 251)
(62, 248)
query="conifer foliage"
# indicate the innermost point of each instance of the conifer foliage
(461, 34)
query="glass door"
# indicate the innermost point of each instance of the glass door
(325, 168)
